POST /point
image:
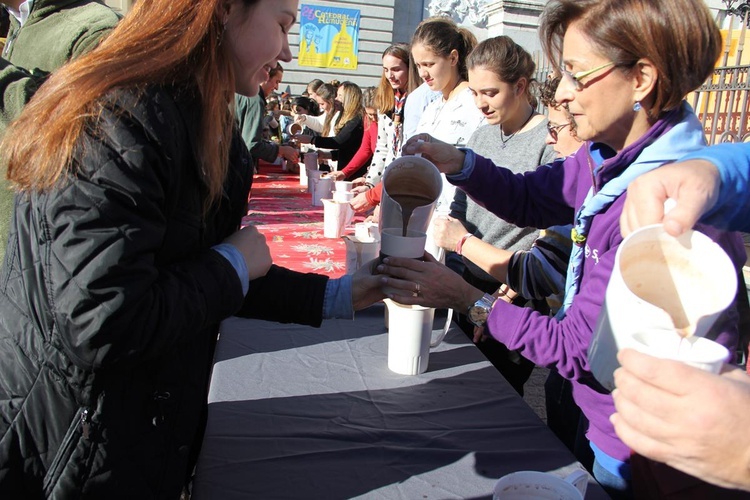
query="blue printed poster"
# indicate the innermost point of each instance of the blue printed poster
(329, 37)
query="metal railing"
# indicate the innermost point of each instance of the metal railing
(723, 102)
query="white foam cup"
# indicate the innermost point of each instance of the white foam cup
(320, 187)
(695, 351)
(527, 485)
(395, 244)
(344, 186)
(343, 196)
(336, 216)
(367, 231)
(359, 252)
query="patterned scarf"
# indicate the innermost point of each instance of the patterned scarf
(398, 120)
(662, 143)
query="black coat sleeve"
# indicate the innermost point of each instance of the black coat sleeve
(286, 296)
(346, 134)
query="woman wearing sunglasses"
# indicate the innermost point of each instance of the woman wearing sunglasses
(625, 75)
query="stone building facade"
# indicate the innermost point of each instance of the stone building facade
(384, 22)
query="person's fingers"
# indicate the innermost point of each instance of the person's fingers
(401, 265)
(667, 375)
(400, 290)
(646, 408)
(683, 216)
(638, 442)
(429, 258)
(400, 272)
(644, 205)
(419, 143)
(478, 332)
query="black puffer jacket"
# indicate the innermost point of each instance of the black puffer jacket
(110, 299)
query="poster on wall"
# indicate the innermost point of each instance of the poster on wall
(329, 37)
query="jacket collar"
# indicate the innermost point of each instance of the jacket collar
(659, 144)
(22, 13)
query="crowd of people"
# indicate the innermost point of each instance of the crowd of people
(124, 247)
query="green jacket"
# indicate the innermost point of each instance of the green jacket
(250, 112)
(55, 32)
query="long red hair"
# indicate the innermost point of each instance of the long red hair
(158, 42)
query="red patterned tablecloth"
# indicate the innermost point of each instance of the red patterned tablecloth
(282, 210)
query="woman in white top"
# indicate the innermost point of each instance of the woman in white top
(390, 99)
(439, 48)
(324, 124)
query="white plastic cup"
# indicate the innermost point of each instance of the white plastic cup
(311, 160)
(395, 244)
(320, 188)
(367, 231)
(336, 216)
(660, 282)
(343, 196)
(527, 485)
(694, 351)
(303, 176)
(311, 169)
(343, 186)
(359, 252)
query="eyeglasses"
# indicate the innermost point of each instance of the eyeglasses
(554, 130)
(575, 78)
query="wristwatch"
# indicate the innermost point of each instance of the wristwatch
(480, 311)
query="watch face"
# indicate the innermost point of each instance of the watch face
(479, 312)
(478, 315)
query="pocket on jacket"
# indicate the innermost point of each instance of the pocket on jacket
(62, 459)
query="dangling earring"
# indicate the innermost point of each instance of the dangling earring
(637, 106)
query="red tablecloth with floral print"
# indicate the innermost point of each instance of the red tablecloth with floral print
(282, 210)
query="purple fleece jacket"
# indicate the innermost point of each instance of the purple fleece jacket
(548, 197)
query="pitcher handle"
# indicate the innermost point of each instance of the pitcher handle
(579, 479)
(436, 342)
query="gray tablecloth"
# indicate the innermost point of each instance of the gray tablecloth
(298, 412)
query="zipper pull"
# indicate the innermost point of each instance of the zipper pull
(85, 423)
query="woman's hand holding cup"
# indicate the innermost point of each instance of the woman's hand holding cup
(426, 283)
